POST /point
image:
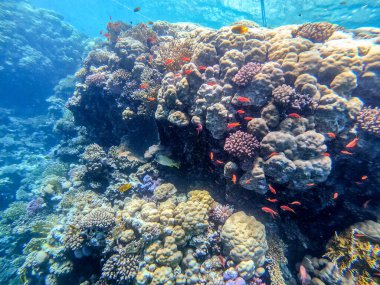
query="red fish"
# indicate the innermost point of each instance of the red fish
(107, 35)
(294, 115)
(295, 203)
(271, 189)
(365, 205)
(335, 195)
(234, 178)
(364, 177)
(359, 235)
(331, 135)
(188, 71)
(240, 112)
(222, 261)
(233, 125)
(151, 99)
(346, 152)
(211, 83)
(352, 143)
(286, 208)
(177, 75)
(272, 212)
(303, 275)
(248, 181)
(202, 67)
(219, 161)
(243, 99)
(169, 61)
(272, 200)
(199, 128)
(144, 86)
(185, 58)
(310, 184)
(211, 155)
(273, 154)
(325, 154)
(248, 118)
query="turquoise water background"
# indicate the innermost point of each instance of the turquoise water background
(90, 16)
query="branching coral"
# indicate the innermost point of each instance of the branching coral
(175, 53)
(220, 213)
(369, 120)
(241, 145)
(247, 73)
(283, 94)
(357, 253)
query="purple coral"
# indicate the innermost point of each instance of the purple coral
(34, 206)
(369, 120)
(283, 94)
(220, 213)
(241, 145)
(96, 80)
(302, 103)
(247, 73)
(149, 183)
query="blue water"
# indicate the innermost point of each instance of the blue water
(111, 120)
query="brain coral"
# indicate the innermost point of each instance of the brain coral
(244, 239)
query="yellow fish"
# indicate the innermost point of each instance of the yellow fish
(239, 29)
(125, 187)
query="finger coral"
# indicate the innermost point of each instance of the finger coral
(247, 73)
(316, 32)
(369, 120)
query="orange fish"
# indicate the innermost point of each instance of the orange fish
(234, 178)
(303, 275)
(365, 205)
(335, 195)
(273, 154)
(240, 112)
(294, 115)
(169, 61)
(295, 203)
(310, 184)
(219, 161)
(243, 99)
(202, 67)
(177, 75)
(352, 143)
(286, 208)
(211, 155)
(144, 85)
(107, 35)
(359, 235)
(364, 177)
(211, 83)
(233, 125)
(222, 261)
(331, 135)
(151, 99)
(248, 181)
(271, 189)
(248, 118)
(325, 154)
(273, 213)
(272, 200)
(346, 152)
(150, 59)
(185, 58)
(188, 71)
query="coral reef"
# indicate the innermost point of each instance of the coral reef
(35, 58)
(241, 145)
(369, 120)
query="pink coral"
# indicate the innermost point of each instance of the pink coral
(247, 73)
(241, 145)
(220, 213)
